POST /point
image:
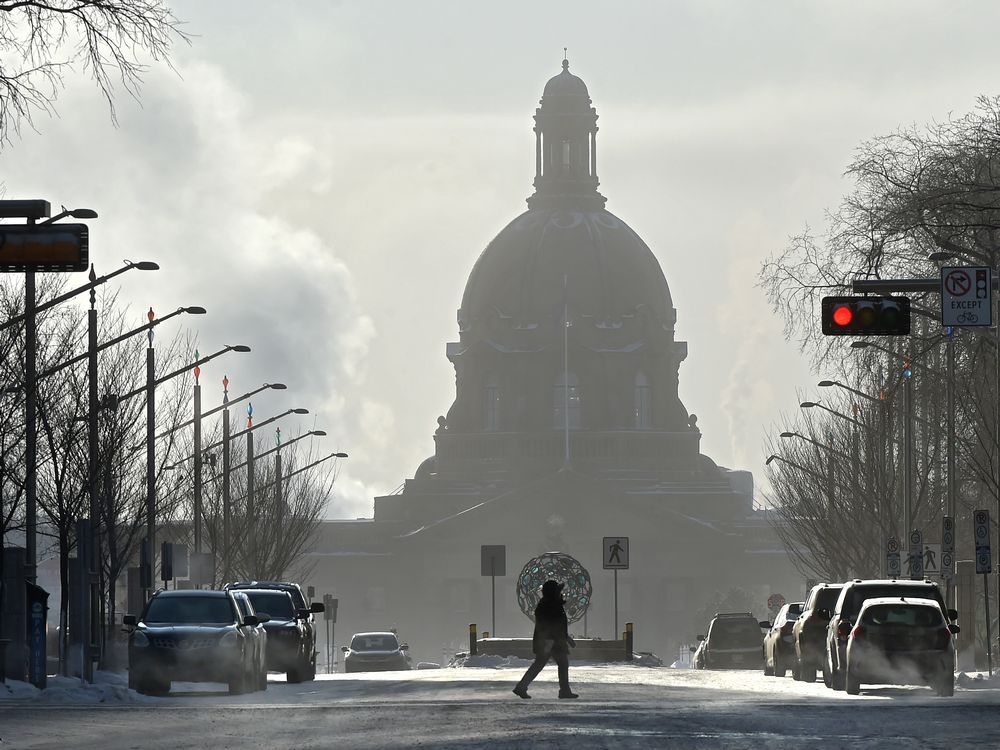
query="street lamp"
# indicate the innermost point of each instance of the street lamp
(150, 391)
(811, 404)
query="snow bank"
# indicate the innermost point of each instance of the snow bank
(483, 661)
(978, 680)
(428, 665)
(108, 687)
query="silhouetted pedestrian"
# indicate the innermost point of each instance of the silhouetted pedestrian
(551, 639)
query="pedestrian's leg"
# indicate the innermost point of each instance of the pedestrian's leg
(562, 662)
(522, 687)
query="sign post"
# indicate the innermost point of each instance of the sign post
(948, 556)
(493, 563)
(966, 296)
(614, 553)
(984, 561)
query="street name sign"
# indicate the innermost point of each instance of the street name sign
(615, 553)
(981, 534)
(966, 296)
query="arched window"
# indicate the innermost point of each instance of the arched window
(566, 402)
(491, 404)
(642, 407)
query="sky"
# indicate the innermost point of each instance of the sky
(322, 175)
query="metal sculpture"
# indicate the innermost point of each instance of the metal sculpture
(577, 589)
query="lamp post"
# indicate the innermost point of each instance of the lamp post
(29, 317)
(150, 390)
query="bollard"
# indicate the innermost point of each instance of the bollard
(473, 647)
(628, 641)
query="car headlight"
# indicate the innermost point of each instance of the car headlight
(230, 639)
(139, 639)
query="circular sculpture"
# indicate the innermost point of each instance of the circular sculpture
(558, 566)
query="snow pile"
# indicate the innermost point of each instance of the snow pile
(428, 665)
(978, 680)
(484, 661)
(108, 687)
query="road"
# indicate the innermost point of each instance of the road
(618, 707)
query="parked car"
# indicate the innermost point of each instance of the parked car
(733, 642)
(304, 611)
(288, 642)
(195, 636)
(256, 637)
(779, 650)
(375, 652)
(854, 594)
(809, 630)
(902, 641)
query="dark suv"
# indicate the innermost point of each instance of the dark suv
(305, 668)
(854, 594)
(734, 641)
(195, 636)
(809, 630)
(288, 646)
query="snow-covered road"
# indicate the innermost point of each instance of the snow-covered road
(619, 706)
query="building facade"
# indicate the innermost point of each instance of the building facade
(566, 427)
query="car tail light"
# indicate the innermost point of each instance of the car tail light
(843, 629)
(858, 632)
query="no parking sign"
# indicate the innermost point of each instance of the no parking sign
(981, 525)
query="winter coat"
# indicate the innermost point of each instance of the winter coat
(551, 628)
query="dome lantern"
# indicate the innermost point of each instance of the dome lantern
(566, 145)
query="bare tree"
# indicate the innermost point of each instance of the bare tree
(113, 41)
(918, 190)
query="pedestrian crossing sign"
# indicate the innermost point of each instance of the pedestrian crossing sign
(615, 553)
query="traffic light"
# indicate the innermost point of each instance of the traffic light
(866, 316)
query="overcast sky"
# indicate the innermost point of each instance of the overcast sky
(322, 176)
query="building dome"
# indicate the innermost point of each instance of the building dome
(590, 260)
(566, 84)
(566, 322)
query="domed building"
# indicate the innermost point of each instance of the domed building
(566, 427)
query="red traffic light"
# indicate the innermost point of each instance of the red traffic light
(843, 315)
(866, 316)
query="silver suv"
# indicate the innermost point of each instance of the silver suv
(854, 594)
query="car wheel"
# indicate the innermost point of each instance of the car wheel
(851, 683)
(779, 668)
(944, 685)
(238, 684)
(838, 681)
(807, 672)
(796, 670)
(827, 679)
(262, 677)
(148, 686)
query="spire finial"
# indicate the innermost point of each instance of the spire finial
(565, 58)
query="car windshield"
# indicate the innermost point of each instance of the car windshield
(215, 610)
(376, 642)
(273, 603)
(826, 599)
(861, 594)
(902, 614)
(736, 633)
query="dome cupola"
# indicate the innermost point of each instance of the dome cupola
(566, 145)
